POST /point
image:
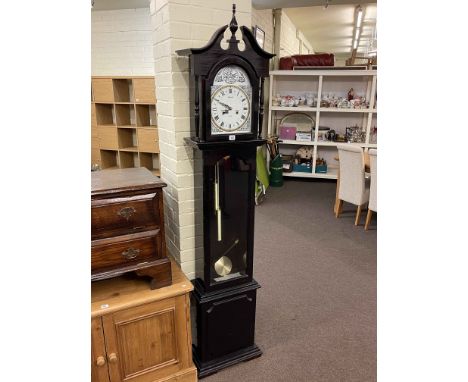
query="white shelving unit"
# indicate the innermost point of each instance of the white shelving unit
(322, 83)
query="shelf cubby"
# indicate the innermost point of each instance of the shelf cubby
(125, 115)
(127, 139)
(104, 114)
(150, 161)
(146, 115)
(340, 86)
(339, 122)
(128, 159)
(109, 159)
(107, 137)
(123, 90)
(297, 85)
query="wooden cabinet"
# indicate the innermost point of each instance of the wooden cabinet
(141, 335)
(127, 225)
(120, 108)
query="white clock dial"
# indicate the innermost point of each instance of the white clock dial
(230, 108)
(231, 102)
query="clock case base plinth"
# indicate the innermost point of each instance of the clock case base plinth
(225, 327)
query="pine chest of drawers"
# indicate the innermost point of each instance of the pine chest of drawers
(127, 226)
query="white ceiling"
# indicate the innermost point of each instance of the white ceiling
(105, 5)
(331, 30)
(268, 4)
(328, 30)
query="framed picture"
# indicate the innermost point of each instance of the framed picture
(259, 34)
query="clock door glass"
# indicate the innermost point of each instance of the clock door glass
(229, 220)
(231, 102)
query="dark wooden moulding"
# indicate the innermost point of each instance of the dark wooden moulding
(127, 226)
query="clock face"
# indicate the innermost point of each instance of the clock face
(230, 108)
(231, 102)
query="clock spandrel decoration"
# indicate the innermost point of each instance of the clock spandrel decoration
(227, 115)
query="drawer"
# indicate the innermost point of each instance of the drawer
(103, 90)
(118, 216)
(126, 249)
(148, 140)
(108, 137)
(144, 90)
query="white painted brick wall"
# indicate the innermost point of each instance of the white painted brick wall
(264, 19)
(180, 24)
(289, 42)
(121, 43)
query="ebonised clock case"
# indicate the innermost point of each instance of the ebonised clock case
(225, 307)
(205, 62)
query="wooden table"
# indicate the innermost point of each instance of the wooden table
(366, 169)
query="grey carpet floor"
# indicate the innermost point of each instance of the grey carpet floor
(316, 310)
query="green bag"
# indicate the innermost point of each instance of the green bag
(262, 182)
(276, 171)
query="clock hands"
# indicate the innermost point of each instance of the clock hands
(224, 104)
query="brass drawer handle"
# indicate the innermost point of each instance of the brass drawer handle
(130, 253)
(126, 212)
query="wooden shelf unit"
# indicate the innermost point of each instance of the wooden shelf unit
(322, 83)
(124, 132)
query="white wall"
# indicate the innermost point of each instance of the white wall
(178, 25)
(121, 43)
(292, 41)
(264, 19)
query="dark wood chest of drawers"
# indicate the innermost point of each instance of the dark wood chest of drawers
(127, 226)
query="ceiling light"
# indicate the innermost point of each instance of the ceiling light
(359, 17)
(356, 35)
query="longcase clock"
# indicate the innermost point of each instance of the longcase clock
(227, 111)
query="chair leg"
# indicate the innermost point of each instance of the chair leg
(339, 207)
(368, 219)
(358, 215)
(335, 205)
(337, 199)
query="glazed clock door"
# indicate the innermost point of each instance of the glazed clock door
(230, 218)
(231, 102)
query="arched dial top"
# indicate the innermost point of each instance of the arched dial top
(231, 102)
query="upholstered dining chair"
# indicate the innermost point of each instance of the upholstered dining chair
(353, 187)
(373, 187)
